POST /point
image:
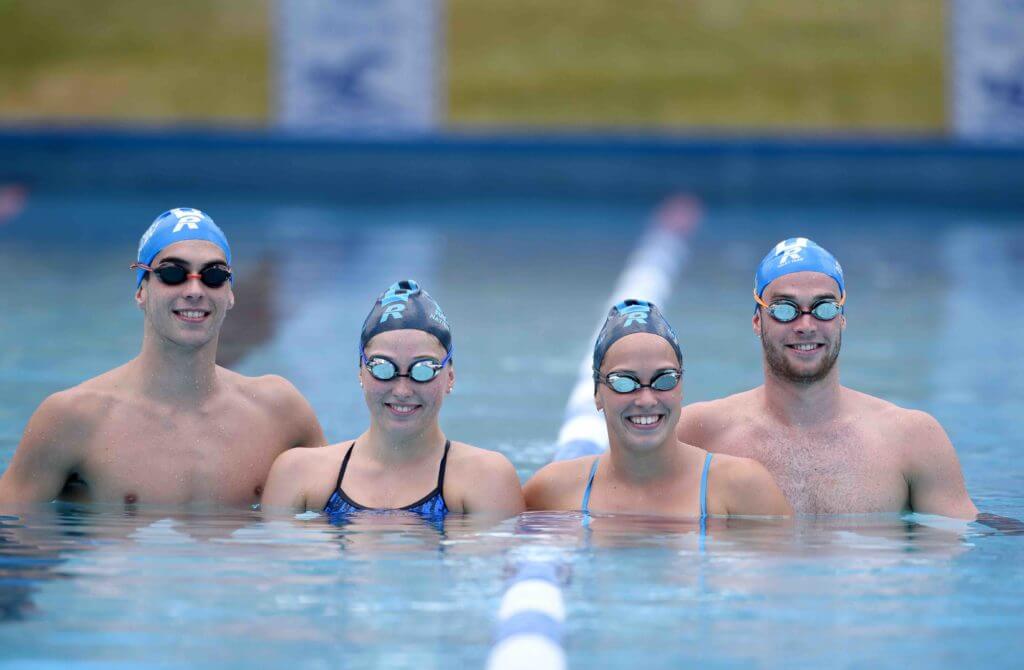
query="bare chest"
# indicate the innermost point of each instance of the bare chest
(154, 457)
(834, 471)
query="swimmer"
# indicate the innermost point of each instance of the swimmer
(833, 450)
(170, 426)
(638, 370)
(403, 461)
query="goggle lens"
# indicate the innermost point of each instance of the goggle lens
(173, 275)
(785, 311)
(620, 383)
(382, 369)
(421, 371)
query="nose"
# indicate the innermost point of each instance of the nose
(193, 288)
(805, 323)
(403, 387)
(645, 397)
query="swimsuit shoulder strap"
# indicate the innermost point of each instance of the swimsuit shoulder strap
(344, 466)
(590, 485)
(443, 467)
(704, 486)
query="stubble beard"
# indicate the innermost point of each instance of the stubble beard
(779, 365)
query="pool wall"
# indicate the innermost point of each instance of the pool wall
(799, 169)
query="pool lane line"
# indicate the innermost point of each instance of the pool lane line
(531, 618)
(649, 274)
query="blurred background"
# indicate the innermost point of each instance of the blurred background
(666, 64)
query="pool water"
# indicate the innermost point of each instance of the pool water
(933, 323)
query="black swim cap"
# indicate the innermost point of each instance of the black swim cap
(406, 305)
(628, 317)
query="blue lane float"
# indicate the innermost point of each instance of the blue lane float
(649, 274)
(529, 632)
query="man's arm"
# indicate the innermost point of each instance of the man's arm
(933, 472)
(48, 452)
(689, 430)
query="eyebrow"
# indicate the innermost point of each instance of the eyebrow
(636, 374)
(820, 296)
(174, 260)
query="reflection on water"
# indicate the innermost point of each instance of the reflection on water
(396, 589)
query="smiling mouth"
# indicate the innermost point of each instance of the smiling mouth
(401, 410)
(191, 315)
(646, 421)
(805, 347)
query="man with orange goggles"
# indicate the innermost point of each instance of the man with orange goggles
(831, 449)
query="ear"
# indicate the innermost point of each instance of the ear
(598, 402)
(140, 296)
(756, 323)
(842, 322)
(231, 297)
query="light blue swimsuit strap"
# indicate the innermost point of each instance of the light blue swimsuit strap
(704, 487)
(590, 485)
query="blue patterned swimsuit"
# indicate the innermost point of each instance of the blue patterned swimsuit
(431, 506)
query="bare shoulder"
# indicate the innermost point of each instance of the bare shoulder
(737, 472)
(474, 461)
(701, 422)
(310, 461)
(302, 477)
(744, 486)
(76, 409)
(277, 397)
(556, 485)
(55, 442)
(485, 481)
(270, 391)
(910, 429)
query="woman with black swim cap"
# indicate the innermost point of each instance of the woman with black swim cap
(638, 369)
(403, 461)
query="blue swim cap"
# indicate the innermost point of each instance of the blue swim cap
(406, 305)
(628, 317)
(177, 225)
(797, 254)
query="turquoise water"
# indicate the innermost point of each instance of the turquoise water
(933, 324)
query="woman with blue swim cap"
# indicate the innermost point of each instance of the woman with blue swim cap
(403, 461)
(638, 369)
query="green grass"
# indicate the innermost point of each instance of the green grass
(820, 64)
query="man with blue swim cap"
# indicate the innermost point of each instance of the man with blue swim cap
(170, 426)
(830, 448)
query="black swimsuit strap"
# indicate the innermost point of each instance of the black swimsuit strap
(441, 469)
(344, 466)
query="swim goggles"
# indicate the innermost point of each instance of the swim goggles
(622, 382)
(422, 370)
(214, 276)
(785, 311)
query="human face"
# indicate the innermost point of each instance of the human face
(191, 313)
(402, 405)
(805, 349)
(646, 418)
